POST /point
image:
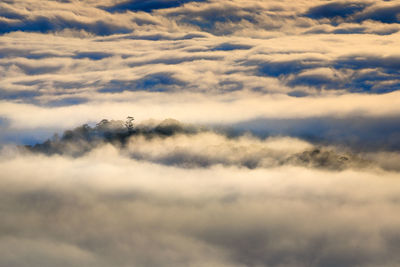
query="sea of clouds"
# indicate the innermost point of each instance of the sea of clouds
(283, 148)
(108, 209)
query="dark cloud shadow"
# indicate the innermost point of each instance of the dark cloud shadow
(335, 9)
(51, 24)
(147, 5)
(25, 95)
(386, 14)
(158, 37)
(73, 84)
(156, 82)
(67, 101)
(370, 73)
(282, 68)
(230, 47)
(390, 63)
(212, 18)
(354, 30)
(358, 12)
(92, 55)
(315, 80)
(37, 70)
(174, 60)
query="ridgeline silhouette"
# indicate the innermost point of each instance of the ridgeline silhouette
(223, 148)
(84, 138)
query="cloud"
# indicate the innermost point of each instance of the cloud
(388, 13)
(348, 11)
(230, 47)
(157, 82)
(336, 9)
(67, 101)
(105, 209)
(146, 6)
(288, 141)
(354, 73)
(45, 24)
(55, 17)
(24, 252)
(8, 12)
(183, 58)
(199, 109)
(92, 55)
(356, 132)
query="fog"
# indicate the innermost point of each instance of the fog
(106, 209)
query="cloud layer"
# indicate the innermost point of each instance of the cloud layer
(106, 209)
(304, 55)
(194, 35)
(285, 154)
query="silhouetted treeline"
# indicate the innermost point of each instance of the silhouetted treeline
(83, 138)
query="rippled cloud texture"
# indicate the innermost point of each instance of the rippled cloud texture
(283, 150)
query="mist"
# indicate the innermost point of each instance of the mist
(105, 209)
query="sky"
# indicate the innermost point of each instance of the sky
(266, 133)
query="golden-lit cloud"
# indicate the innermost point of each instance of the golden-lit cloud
(280, 148)
(105, 209)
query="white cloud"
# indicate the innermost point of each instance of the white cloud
(106, 209)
